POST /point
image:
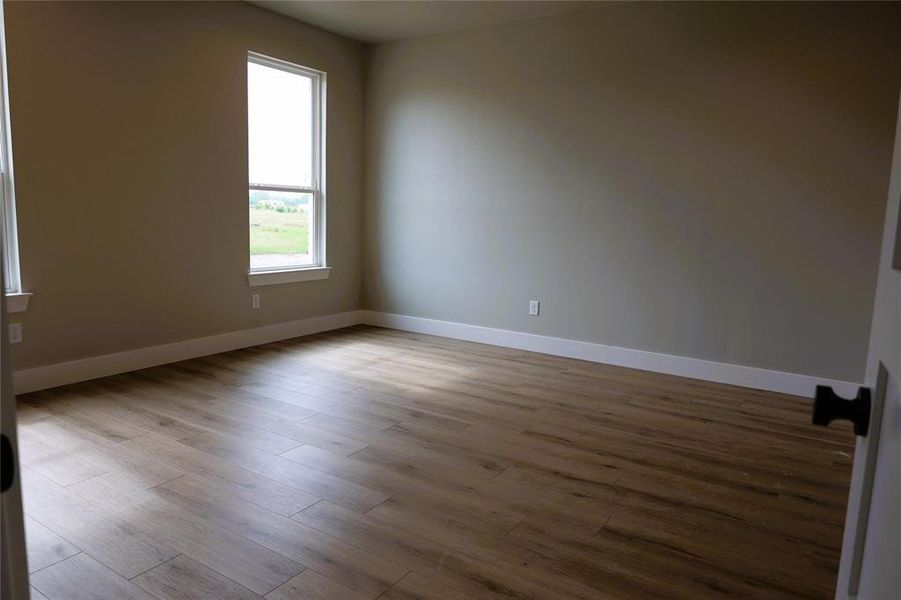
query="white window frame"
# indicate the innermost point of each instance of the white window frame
(16, 299)
(318, 269)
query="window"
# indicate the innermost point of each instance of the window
(286, 196)
(16, 300)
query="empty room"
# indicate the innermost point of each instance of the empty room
(437, 300)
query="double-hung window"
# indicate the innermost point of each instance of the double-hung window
(16, 299)
(285, 111)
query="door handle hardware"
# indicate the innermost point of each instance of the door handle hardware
(827, 407)
(8, 467)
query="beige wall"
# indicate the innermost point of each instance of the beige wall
(129, 140)
(700, 180)
(705, 180)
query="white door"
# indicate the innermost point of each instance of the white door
(871, 550)
(13, 570)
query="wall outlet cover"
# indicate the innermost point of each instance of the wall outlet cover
(15, 333)
(533, 308)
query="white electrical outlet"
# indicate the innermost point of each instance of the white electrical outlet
(533, 308)
(255, 301)
(15, 333)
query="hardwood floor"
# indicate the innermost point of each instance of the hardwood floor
(369, 463)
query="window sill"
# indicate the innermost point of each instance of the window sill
(17, 302)
(259, 278)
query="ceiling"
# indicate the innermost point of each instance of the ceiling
(378, 21)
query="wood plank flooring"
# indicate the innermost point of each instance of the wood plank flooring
(369, 463)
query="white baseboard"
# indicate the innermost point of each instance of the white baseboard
(39, 378)
(695, 368)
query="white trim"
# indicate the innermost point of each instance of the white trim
(695, 368)
(258, 278)
(39, 378)
(17, 302)
(294, 189)
(283, 65)
(320, 170)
